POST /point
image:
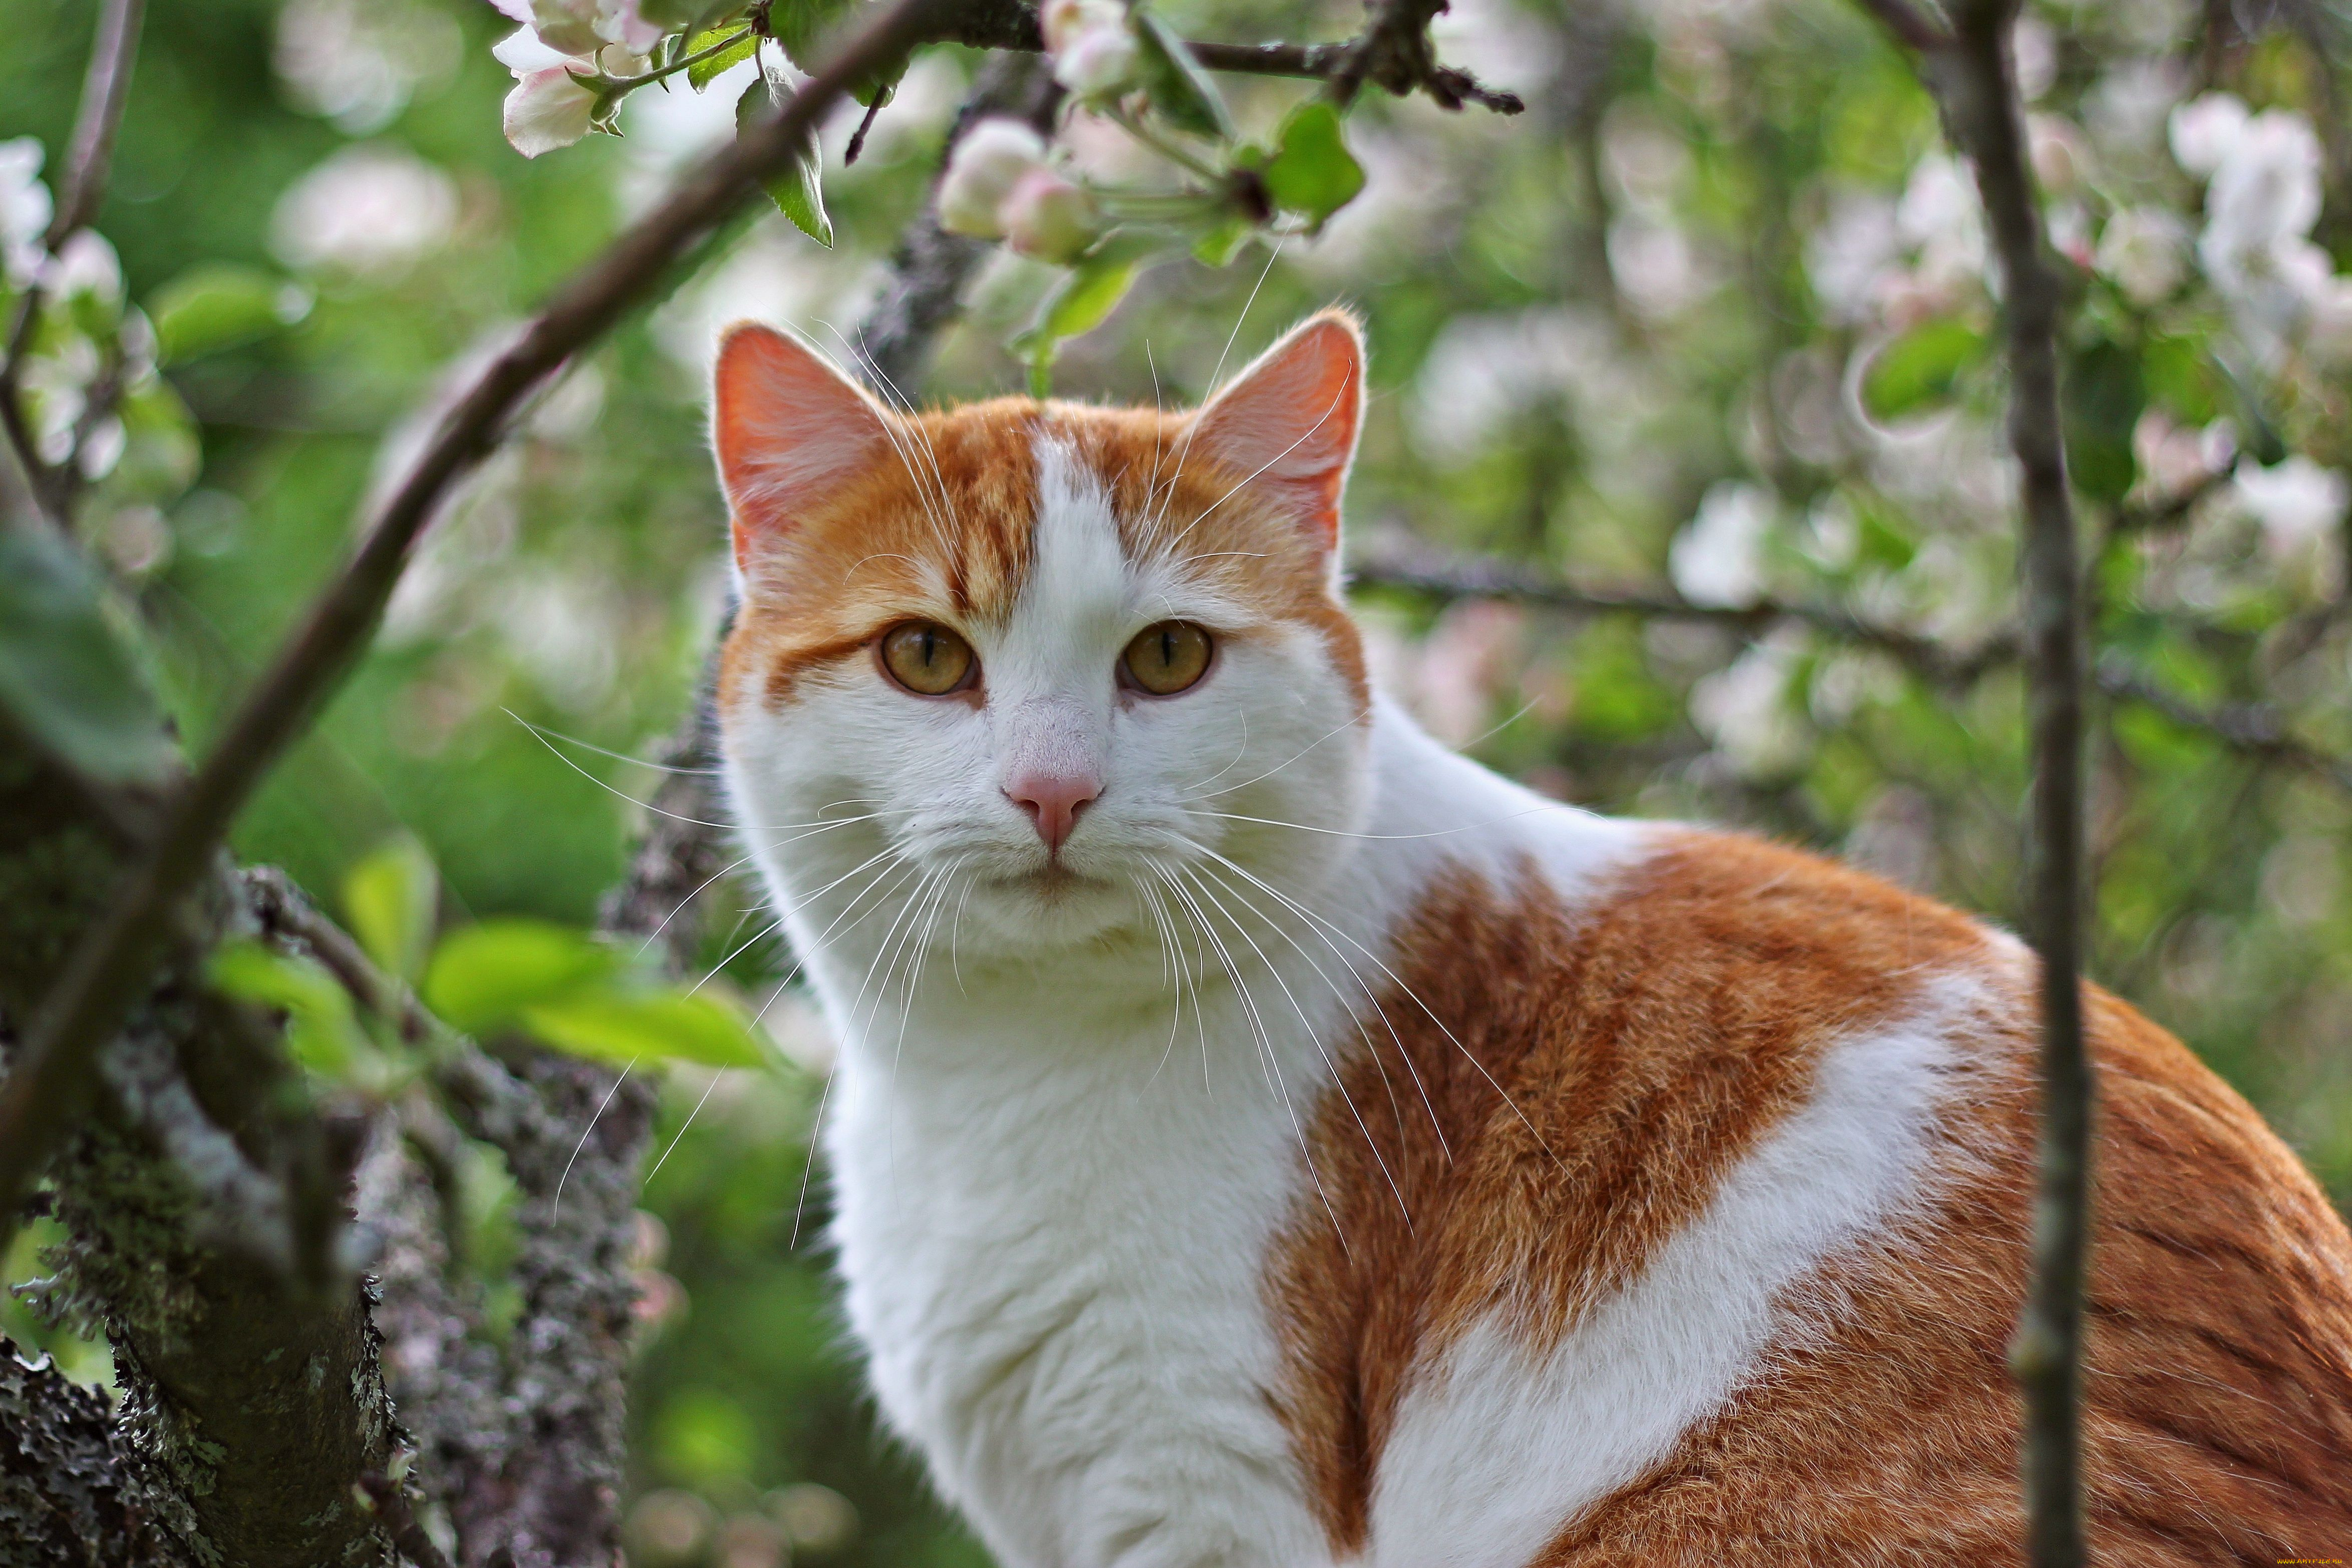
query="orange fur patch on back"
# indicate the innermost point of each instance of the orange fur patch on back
(2218, 1400)
(1596, 1075)
(1652, 1040)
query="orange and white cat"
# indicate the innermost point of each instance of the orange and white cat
(1262, 1137)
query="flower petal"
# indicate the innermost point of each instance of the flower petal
(547, 110)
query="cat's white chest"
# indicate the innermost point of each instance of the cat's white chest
(1053, 1220)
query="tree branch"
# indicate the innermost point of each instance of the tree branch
(1913, 28)
(1008, 25)
(105, 90)
(2254, 728)
(50, 1083)
(1454, 578)
(1974, 80)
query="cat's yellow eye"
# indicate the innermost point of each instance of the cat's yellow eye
(1165, 659)
(927, 658)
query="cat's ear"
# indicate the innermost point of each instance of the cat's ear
(1289, 421)
(790, 430)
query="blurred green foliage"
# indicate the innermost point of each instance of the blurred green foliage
(1688, 310)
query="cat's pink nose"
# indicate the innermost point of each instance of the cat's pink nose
(1054, 801)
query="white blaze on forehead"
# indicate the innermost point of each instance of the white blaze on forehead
(1049, 667)
(1078, 571)
(1075, 602)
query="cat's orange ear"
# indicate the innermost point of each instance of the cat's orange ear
(790, 429)
(1289, 421)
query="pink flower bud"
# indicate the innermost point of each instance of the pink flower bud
(992, 157)
(1049, 217)
(1063, 21)
(1096, 63)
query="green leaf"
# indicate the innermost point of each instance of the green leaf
(1087, 298)
(484, 975)
(1222, 243)
(219, 305)
(700, 74)
(1920, 368)
(622, 1026)
(1087, 294)
(2103, 395)
(799, 190)
(322, 1032)
(65, 677)
(1179, 89)
(1312, 172)
(391, 897)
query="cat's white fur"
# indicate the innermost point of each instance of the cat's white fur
(1061, 1144)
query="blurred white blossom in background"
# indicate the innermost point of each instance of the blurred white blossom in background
(1718, 559)
(2261, 198)
(374, 209)
(1747, 710)
(358, 62)
(24, 209)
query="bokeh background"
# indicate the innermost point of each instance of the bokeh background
(1710, 318)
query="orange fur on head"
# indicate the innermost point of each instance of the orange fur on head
(847, 515)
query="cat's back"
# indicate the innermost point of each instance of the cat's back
(1694, 1213)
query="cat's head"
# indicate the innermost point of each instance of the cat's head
(1049, 663)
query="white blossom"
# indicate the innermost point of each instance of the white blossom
(1099, 62)
(2265, 190)
(1093, 49)
(546, 110)
(1651, 260)
(2062, 158)
(992, 157)
(2203, 131)
(1940, 214)
(583, 26)
(1485, 369)
(357, 62)
(1746, 711)
(2145, 251)
(371, 209)
(24, 209)
(1848, 256)
(2297, 503)
(2174, 460)
(86, 265)
(1718, 559)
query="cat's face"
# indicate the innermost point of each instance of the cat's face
(1056, 672)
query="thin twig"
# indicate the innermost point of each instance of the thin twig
(1007, 24)
(1453, 577)
(1912, 27)
(51, 1080)
(104, 92)
(1974, 80)
(2254, 728)
(283, 909)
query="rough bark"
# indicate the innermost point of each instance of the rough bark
(63, 1501)
(201, 1200)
